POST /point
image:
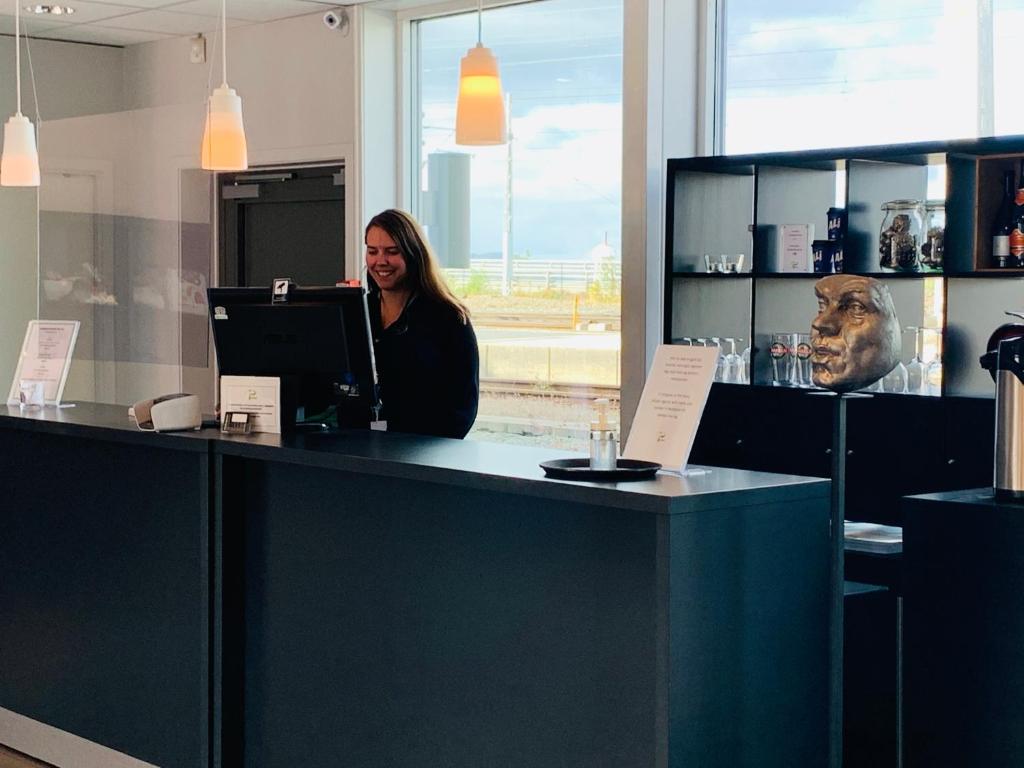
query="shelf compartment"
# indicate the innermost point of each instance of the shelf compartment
(871, 183)
(788, 195)
(712, 213)
(703, 309)
(782, 306)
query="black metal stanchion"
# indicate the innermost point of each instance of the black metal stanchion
(836, 526)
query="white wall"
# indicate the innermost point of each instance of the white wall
(71, 79)
(298, 83)
(297, 80)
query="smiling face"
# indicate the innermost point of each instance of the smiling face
(856, 336)
(384, 260)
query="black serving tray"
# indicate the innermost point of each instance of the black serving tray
(579, 469)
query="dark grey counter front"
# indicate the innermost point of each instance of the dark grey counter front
(372, 599)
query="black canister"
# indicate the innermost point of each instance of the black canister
(822, 251)
(836, 223)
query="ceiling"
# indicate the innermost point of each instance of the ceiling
(127, 22)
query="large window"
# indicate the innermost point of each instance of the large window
(800, 74)
(529, 233)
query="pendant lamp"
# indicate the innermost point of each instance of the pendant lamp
(224, 147)
(19, 165)
(480, 110)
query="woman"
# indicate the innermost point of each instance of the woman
(427, 357)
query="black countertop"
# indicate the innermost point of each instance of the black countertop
(479, 465)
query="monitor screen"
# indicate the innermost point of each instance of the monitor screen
(317, 341)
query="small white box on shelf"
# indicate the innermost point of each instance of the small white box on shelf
(795, 248)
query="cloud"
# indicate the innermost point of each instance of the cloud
(565, 151)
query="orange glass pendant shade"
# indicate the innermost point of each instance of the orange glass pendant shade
(224, 147)
(480, 110)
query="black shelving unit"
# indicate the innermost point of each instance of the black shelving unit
(876, 448)
(734, 204)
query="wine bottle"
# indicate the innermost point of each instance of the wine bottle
(1002, 225)
(1016, 258)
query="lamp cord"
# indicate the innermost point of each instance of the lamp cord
(17, 47)
(224, 38)
(480, 22)
(35, 93)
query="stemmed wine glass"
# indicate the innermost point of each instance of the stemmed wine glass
(895, 381)
(933, 370)
(716, 342)
(916, 366)
(733, 364)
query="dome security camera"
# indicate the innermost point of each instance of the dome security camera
(335, 19)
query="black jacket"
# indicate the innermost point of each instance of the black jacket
(429, 368)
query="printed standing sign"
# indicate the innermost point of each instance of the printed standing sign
(671, 405)
(45, 359)
(257, 395)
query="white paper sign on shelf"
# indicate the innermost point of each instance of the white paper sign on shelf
(671, 405)
(258, 395)
(45, 357)
(795, 248)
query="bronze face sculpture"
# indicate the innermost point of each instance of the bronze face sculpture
(855, 339)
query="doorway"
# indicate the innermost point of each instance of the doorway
(282, 222)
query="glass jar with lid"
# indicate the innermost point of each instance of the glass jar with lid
(933, 247)
(901, 236)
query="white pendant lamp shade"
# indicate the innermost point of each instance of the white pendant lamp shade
(480, 110)
(224, 147)
(19, 166)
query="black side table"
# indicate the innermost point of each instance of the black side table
(963, 631)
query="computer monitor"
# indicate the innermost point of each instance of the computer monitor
(317, 341)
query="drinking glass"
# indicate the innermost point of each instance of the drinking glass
(31, 394)
(745, 370)
(933, 370)
(916, 366)
(779, 352)
(795, 380)
(803, 358)
(733, 363)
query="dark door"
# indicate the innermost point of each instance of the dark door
(282, 223)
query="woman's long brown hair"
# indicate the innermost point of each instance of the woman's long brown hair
(422, 272)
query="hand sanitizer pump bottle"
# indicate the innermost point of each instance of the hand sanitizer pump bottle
(604, 445)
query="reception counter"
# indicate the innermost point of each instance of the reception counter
(371, 599)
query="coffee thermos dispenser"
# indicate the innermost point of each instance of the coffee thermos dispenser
(1009, 449)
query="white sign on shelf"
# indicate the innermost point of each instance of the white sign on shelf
(45, 359)
(671, 405)
(257, 395)
(795, 242)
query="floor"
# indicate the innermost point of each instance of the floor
(11, 759)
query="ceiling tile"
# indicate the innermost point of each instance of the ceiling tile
(143, 4)
(34, 29)
(91, 33)
(168, 23)
(253, 10)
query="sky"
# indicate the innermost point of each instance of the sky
(803, 74)
(561, 65)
